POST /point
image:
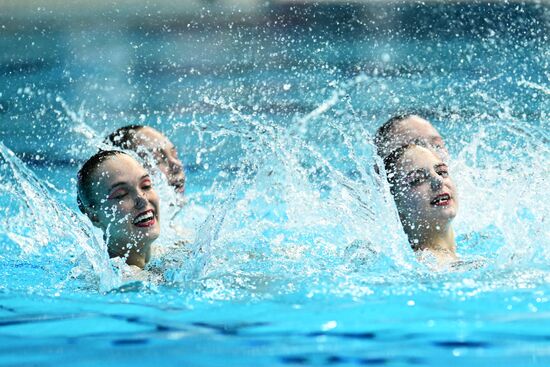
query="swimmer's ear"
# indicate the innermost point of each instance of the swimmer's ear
(88, 211)
(92, 214)
(93, 218)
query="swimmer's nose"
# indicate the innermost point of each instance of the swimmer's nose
(443, 153)
(140, 201)
(175, 165)
(436, 182)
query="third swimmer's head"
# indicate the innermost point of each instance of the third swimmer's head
(407, 129)
(151, 143)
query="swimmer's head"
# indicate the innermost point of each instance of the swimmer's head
(151, 144)
(116, 193)
(407, 129)
(424, 193)
(85, 179)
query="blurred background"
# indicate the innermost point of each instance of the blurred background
(69, 70)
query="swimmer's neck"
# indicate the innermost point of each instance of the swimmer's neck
(137, 255)
(441, 243)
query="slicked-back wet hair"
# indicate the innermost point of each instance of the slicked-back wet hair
(85, 174)
(383, 131)
(390, 161)
(123, 137)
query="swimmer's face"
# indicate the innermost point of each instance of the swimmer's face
(415, 130)
(126, 206)
(423, 190)
(164, 154)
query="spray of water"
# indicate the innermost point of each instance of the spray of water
(43, 233)
(301, 209)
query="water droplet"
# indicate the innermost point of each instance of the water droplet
(329, 325)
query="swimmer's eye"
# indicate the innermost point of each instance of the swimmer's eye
(174, 153)
(442, 170)
(443, 173)
(415, 182)
(161, 156)
(417, 179)
(146, 185)
(436, 141)
(118, 194)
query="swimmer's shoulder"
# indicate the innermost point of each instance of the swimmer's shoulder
(466, 264)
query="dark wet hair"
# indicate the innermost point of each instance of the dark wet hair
(84, 177)
(390, 161)
(123, 137)
(383, 131)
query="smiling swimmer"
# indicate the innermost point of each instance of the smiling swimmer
(183, 216)
(151, 143)
(116, 193)
(426, 200)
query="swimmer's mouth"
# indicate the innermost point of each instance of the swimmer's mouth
(179, 186)
(145, 219)
(441, 200)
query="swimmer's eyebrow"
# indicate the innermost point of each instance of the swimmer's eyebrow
(161, 150)
(115, 185)
(416, 171)
(438, 140)
(122, 183)
(422, 141)
(171, 148)
(439, 165)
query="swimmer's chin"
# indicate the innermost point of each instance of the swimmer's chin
(178, 186)
(438, 260)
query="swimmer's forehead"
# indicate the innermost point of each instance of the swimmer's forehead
(152, 139)
(414, 127)
(412, 130)
(119, 169)
(418, 157)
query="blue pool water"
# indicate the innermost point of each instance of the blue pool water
(273, 114)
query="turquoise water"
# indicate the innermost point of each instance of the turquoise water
(305, 262)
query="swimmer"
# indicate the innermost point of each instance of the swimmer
(116, 193)
(407, 129)
(182, 219)
(426, 200)
(148, 142)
